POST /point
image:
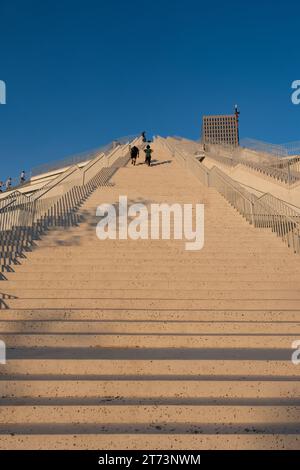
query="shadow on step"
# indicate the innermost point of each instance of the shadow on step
(157, 428)
(21, 239)
(3, 297)
(150, 378)
(157, 163)
(141, 401)
(150, 354)
(65, 235)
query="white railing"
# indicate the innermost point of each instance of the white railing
(285, 170)
(265, 211)
(23, 219)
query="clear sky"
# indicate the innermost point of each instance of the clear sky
(80, 73)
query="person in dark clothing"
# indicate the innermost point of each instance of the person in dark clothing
(144, 136)
(134, 154)
(148, 151)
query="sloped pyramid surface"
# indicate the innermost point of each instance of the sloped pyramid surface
(142, 344)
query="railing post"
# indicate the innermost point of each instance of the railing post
(252, 213)
(289, 173)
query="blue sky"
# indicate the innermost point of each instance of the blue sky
(79, 74)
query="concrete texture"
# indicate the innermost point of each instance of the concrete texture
(141, 344)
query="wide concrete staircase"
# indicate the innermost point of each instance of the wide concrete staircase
(140, 344)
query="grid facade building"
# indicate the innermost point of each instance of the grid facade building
(222, 129)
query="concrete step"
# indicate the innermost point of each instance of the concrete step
(88, 241)
(165, 255)
(160, 304)
(149, 327)
(90, 244)
(87, 232)
(214, 239)
(151, 415)
(114, 344)
(94, 201)
(186, 260)
(211, 227)
(136, 441)
(82, 244)
(143, 369)
(198, 270)
(111, 253)
(150, 340)
(148, 275)
(130, 390)
(154, 315)
(166, 294)
(129, 284)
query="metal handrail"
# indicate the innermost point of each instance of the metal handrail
(38, 193)
(284, 169)
(222, 175)
(52, 183)
(36, 199)
(79, 157)
(232, 184)
(214, 173)
(69, 161)
(274, 169)
(22, 222)
(265, 211)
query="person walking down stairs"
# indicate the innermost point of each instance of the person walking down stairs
(148, 151)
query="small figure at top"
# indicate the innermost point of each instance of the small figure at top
(22, 177)
(8, 184)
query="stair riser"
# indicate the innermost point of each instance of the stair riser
(146, 414)
(150, 284)
(134, 441)
(121, 327)
(150, 368)
(157, 275)
(122, 340)
(121, 315)
(188, 263)
(223, 304)
(149, 294)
